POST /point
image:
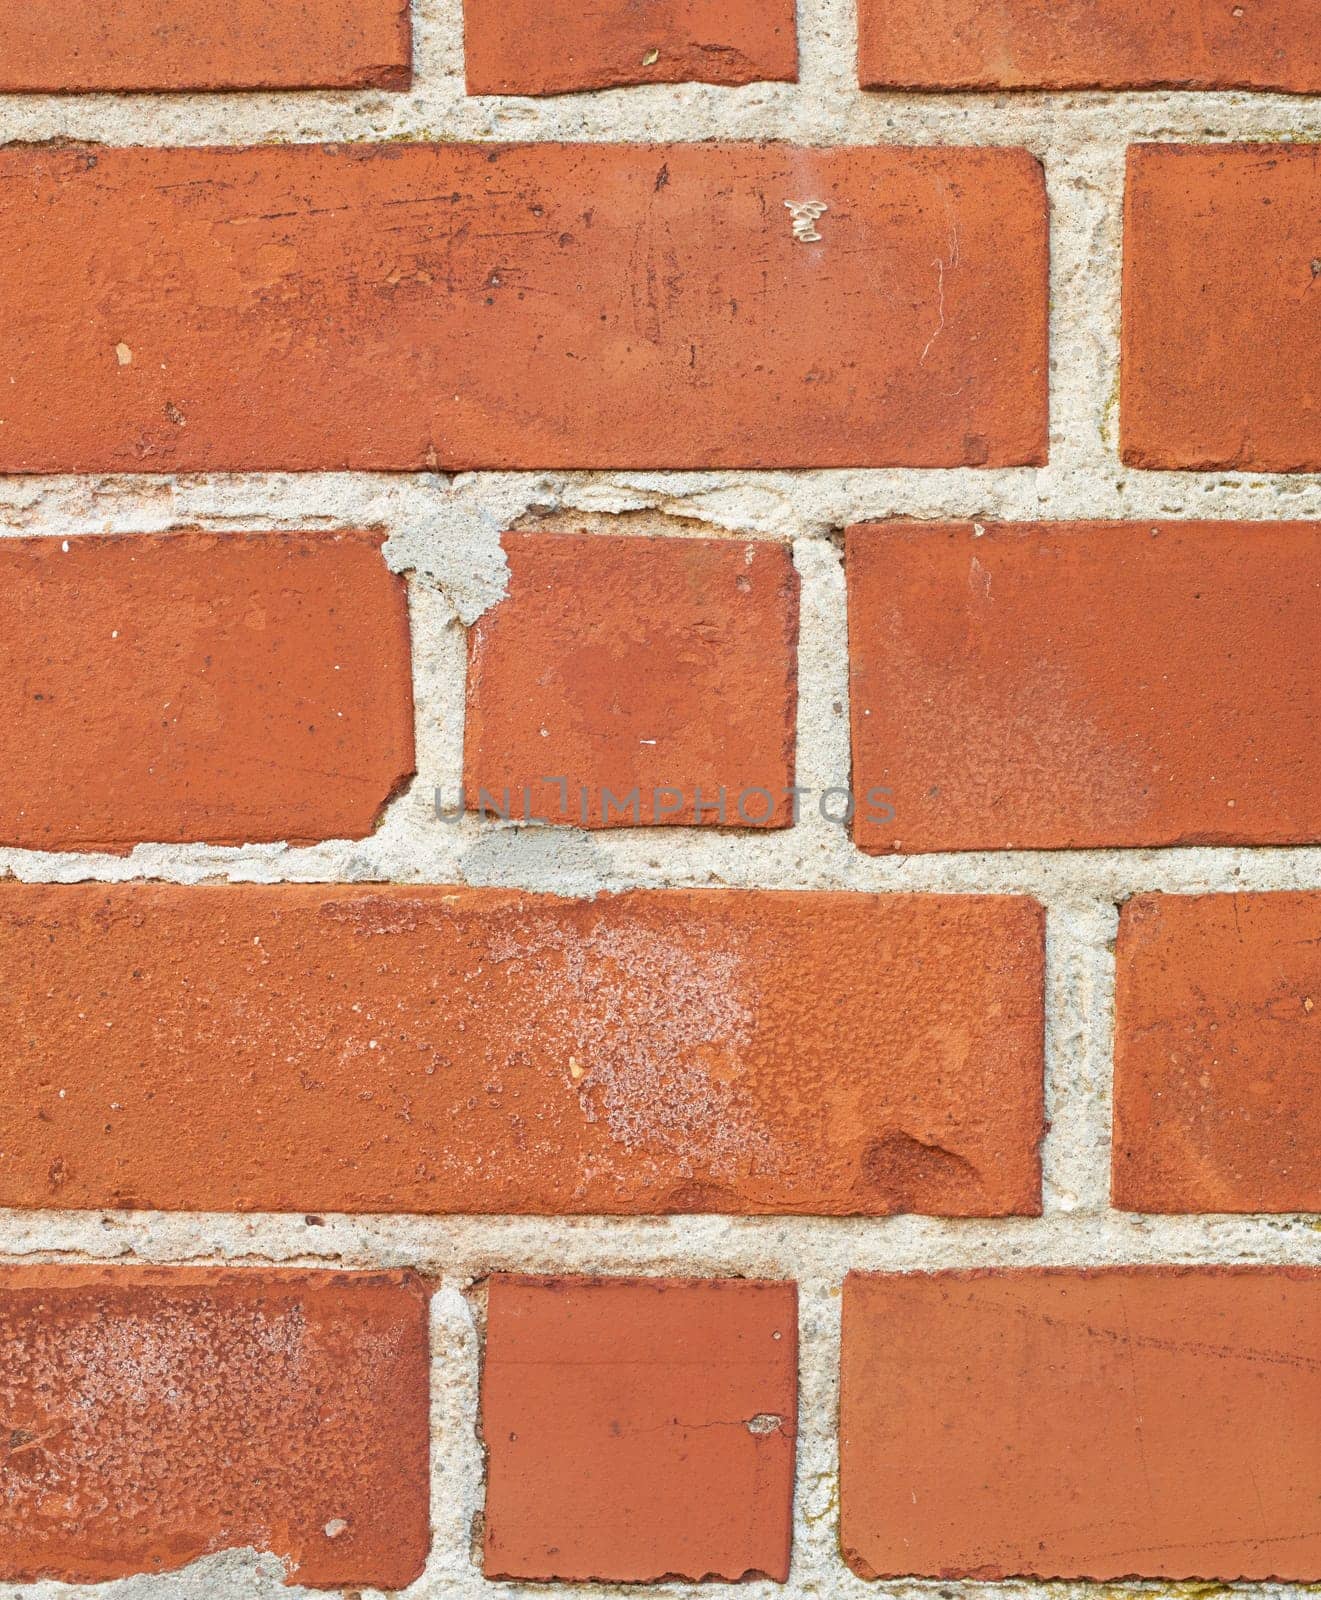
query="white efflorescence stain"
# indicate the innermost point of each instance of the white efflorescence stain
(444, 533)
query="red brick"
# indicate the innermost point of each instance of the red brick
(196, 686)
(1218, 1027)
(1132, 1422)
(465, 306)
(1221, 363)
(1089, 44)
(155, 1415)
(50, 46)
(532, 47)
(626, 664)
(638, 1429)
(303, 1047)
(1076, 685)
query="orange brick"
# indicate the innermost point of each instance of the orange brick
(639, 1429)
(532, 47)
(50, 46)
(1054, 686)
(453, 306)
(1218, 1024)
(1221, 363)
(303, 1047)
(1089, 44)
(1131, 1422)
(636, 665)
(218, 687)
(155, 1415)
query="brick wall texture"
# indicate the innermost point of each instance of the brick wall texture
(660, 798)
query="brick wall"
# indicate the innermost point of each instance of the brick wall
(662, 422)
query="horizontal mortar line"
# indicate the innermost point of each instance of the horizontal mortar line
(827, 1577)
(820, 1577)
(689, 861)
(817, 1577)
(438, 111)
(294, 525)
(1082, 490)
(817, 1251)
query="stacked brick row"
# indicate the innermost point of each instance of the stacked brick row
(518, 47)
(465, 307)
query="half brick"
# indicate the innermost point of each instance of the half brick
(447, 306)
(227, 688)
(639, 1429)
(155, 1415)
(1217, 1040)
(1221, 358)
(664, 670)
(532, 47)
(295, 1048)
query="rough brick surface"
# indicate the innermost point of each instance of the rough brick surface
(1158, 1423)
(1073, 686)
(662, 666)
(459, 306)
(535, 47)
(79, 45)
(1221, 358)
(225, 688)
(639, 1429)
(339, 1049)
(1086, 44)
(154, 1415)
(1218, 1031)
